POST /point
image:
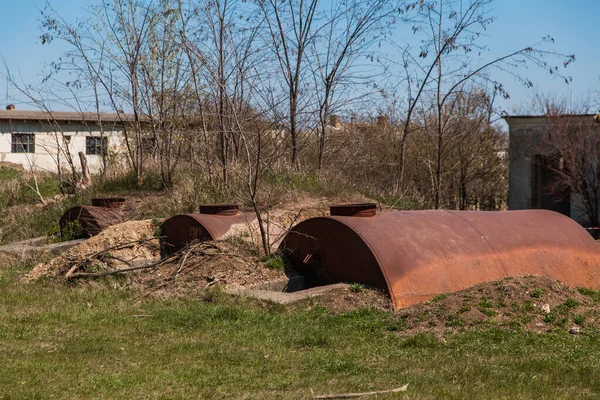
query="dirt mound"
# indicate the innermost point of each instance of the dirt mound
(131, 246)
(202, 265)
(118, 246)
(536, 304)
(355, 297)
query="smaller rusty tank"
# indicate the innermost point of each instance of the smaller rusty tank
(213, 221)
(89, 219)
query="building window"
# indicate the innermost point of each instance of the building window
(22, 143)
(95, 146)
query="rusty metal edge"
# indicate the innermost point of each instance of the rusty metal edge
(375, 255)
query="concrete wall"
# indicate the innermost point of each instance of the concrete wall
(526, 140)
(524, 143)
(47, 152)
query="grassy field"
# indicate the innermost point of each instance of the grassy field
(60, 341)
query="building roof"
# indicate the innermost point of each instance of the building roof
(69, 116)
(548, 116)
(533, 120)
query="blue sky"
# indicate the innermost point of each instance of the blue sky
(519, 23)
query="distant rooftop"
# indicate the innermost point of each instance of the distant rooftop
(548, 116)
(70, 116)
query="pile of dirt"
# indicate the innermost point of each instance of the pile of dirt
(132, 245)
(224, 263)
(536, 304)
(118, 246)
(352, 298)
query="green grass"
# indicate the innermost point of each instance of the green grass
(17, 187)
(595, 295)
(356, 287)
(69, 342)
(312, 183)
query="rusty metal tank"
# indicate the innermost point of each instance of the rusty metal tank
(416, 255)
(92, 220)
(213, 221)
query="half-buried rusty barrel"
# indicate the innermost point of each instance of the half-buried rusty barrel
(92, 220)
(416, 255)
(211, 223)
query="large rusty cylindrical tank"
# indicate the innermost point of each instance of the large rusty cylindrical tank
(416, 255)
(213, 221)
(90, 219)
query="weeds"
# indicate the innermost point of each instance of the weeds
(550, 318)
(356, 287)
(593, 294)
(537, 293)
(439, 297)
(71, 231)
(275, 261)
(571, 303)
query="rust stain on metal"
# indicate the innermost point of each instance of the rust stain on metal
(212, 223)
(415, 255)
(93, 220)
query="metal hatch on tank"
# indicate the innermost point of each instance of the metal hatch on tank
(416, 255)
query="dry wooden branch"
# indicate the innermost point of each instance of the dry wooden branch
(187, 250)
(104, 256)
(71, 274)
(71, 271)
(122, 245)
(354, 395)
(180, 265)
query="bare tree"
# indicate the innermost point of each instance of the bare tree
(110, 43)
(290, 32)
(348, 31)
(449, 58)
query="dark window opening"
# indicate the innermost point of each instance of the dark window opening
(95, 146)
(22, 143)
(549, 191)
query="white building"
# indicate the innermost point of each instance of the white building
(39, 140)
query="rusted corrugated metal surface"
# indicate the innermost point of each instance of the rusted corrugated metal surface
(93, 220)
(212, 223)
(416, 255)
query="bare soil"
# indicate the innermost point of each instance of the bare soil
(510, 303)
(345, 300)
(126, 243)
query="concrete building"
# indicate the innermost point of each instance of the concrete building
(530, 177)
(39, 140)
